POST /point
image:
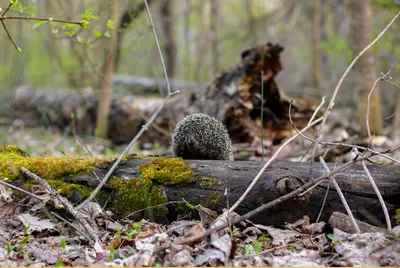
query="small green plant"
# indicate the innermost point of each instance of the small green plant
(334, 240)
(10, 248)
(257, 247)
(138, 227)
(248, 249)
(111, 255)
(59, 262)
(292, 249)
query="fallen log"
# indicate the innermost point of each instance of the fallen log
(234, 97)
(141, 183)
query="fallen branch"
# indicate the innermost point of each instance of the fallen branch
(94, 239)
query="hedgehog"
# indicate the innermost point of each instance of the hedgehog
(200, 136)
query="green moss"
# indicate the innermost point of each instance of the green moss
(214, 198)
(158, 198)
(207, 181)
(136, 194)
(131, 195)
(66, 189)
(47, 167)
(167, 171)
(397, 217)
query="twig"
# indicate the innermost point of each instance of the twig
(381, 77)
(143, 129)
(94, 239)
(342, 198)
(378, 194)
(158, 46)
(274, 202)
(326, 143)
(70, 224)
(22, 191)
(262, 116)
(269, 163)
(316, 110)
(39, 19)
(339, 84)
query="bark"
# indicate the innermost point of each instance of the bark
(316, 46)
(210, 179)
(365, 68)
(167, 19)
(109, 68)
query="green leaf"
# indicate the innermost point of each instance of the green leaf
(55, 31)
(63, 243)
(84, 23)
(97, 33)
(110, 24)
(38, 24)
(107, 34)
(111, 255)
(247, 250)
(257, 247)
(13, 2)
(59, 262)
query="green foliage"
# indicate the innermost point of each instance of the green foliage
(10, 248)
(387, 4)
(111, 254)
(337, 47)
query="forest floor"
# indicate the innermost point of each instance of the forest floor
(31, 236)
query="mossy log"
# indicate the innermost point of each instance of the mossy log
(139, 183)
(204, 182)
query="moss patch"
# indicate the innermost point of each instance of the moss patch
(47, 167)
(167, 171)
(397, 217)
(207, 181)
(214, 198)
(135, 194)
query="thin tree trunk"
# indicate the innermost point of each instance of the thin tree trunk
(109, 66)
(214, 37)
(167, 20)
(316, 46)
(187, 25)
(251, 24)
(365, 68)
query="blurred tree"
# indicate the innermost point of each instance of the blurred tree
(316, 46)
(251, 24)
(132, 10)
(365, 68)
(108, 72)
(167, 22)
(214, 37)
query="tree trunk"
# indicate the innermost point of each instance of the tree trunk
(167, 22)
(365, 68)
(316, 46)
(214, 38)
(251, 24)
(109, 62)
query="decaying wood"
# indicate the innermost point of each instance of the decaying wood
(212, 177)
(342, 222)
(233, 97)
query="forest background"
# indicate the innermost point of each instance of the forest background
(201, 38)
